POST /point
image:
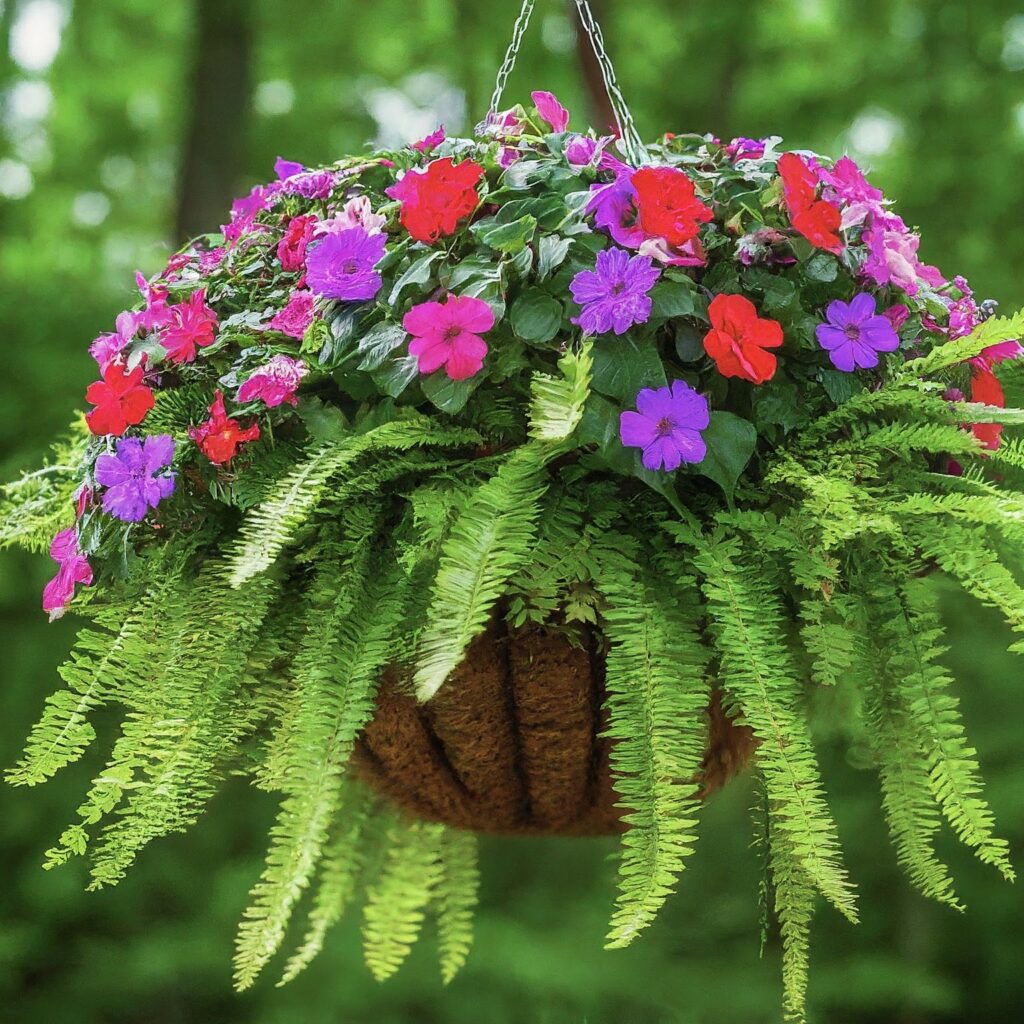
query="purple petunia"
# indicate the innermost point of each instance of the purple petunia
(855, 333)
(341, 266)
(134, 477)
(667, 426)
(613, 295)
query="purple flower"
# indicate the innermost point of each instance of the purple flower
(274, 382)
(285, 169)
(613, 295)
(341, 266)
(667, 426)
(614, 209)
(309, 184)
(133, 476)
(892, 256)
(296, 316)
(855, 333)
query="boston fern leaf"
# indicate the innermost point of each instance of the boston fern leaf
(761, 680)
(794, 908)
(656, 678)
(348, 643)
(398, 898)
(490, 540)
(272, 525)
(455, 899)
(557, 402)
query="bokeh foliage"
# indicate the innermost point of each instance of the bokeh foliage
(929, 94)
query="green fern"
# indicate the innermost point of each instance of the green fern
(455, 900)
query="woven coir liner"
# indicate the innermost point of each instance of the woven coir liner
(511, 743)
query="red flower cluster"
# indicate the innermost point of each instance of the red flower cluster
(815, 219)
(435, 199)
(121, 400)
(738, 339)
(985, 387)
(220, 436)
(667, 205)
(193, 324)
(291, 250)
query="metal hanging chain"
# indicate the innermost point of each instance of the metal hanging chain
(630, 140)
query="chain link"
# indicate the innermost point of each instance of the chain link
(630, 140)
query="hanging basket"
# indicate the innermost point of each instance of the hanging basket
(488, 471)
(513, 744)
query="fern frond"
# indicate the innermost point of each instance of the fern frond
(951, 353)
(455, 899)
(794, 910)
(272, 525)
(557, 403)
(759, 676)
(397, 899)
(489, 541)
(348, 643)
(658, 692)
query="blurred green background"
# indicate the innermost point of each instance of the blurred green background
(130, 123)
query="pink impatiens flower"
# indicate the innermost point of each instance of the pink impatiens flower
(291, 250)
(72, 568)
(448, 334)
(296, 316)
(892, 256)
(275, 382)
(431, 141)
(357, 213)
(194, 325)
(551, 110)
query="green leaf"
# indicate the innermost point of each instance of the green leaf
(671, 299)
(379, 342)
(730, 440)
(777, 402)
(449, 395)
(622, 366)
(839, 386)
(418, 273)
(536, 316)
(689, 342)
(821, 267)
(549, 211)
(551, 253)
(510, 238)
(394, 375)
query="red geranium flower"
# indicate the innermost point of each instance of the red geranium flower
(291, 250)
(219, 437)
(667, 205)
(435, 199)
(985, 387)
(815, 219)
(738, 339)
(121, 400)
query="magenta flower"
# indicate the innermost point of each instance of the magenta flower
(613, 295)
(431, 141)
(846, 184)
(274, 382)
(285, 169)
(551, 110)
(72, 568)
(107, 347)
(244, 212)
(157, 313)
(309, 184)
(745, 149)
(667, 426)
(341, 265)
(210, 260)
(134, 477)
(855, 333)
(448, 334)
(194, 325)
(296, 316)
(892, 256)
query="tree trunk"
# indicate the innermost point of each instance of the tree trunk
(213, 156)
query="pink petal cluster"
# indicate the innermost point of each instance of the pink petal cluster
(72, 568)
(356, 213)
(892, 256)
(275, 382)
(296, 316)
(551, 110)
(431, 141)
(447, 334)
(193, 326)
(291, 250)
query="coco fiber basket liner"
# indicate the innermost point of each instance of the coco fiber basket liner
(529, 483)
